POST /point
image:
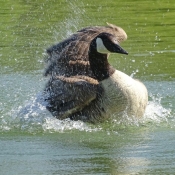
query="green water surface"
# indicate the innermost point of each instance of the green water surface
(42, 145)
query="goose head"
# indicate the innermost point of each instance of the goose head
(99, 49)
(107, 43)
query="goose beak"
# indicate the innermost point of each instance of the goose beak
(119, 49)
(116, 48)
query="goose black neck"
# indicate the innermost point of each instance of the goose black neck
(99, 63)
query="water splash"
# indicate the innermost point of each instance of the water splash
(155, 112)
(72, 22)
(33, 117)
(55, 125)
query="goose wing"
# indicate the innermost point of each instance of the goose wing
(71, 57)
(79, 42)
(67, 95)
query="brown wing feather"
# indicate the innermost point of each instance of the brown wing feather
(71, 50)
(75, 48)
(63, 99)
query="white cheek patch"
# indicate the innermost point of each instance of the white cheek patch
(100, 46)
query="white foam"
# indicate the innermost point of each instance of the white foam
(55, 125)
(156, 113)
(33, 117)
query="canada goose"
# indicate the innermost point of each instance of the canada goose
(84, 86)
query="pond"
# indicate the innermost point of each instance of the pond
(36, 142)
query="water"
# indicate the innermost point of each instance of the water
(33, 142)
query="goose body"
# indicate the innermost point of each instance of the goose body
(123, 95)
(84, 86)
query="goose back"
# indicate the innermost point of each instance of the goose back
(71, 56)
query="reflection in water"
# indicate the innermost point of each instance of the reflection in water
(104, 154)
(133, 151)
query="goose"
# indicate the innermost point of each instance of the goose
(84, 86)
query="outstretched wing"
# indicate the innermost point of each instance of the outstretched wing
(70, 57)
(68, 95)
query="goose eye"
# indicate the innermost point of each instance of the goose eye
(115, 41)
